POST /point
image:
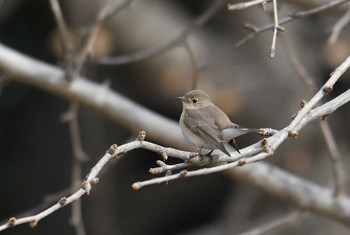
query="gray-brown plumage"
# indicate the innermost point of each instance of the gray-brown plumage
(205, 125)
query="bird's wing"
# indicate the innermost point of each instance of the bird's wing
(202, 122)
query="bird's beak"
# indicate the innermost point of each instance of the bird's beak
(182, 98)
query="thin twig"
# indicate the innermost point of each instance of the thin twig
(286, 220)
(337, 28)
(298, 67)
(111, 8)
(47, 201)
(326, 88)
(79, 157)
(62, 26)
(76, 219)
(244, 5)
(335, 159)
(65, 40)
(292, 17)
(71, 116)
(275, 30)
(149, 53)
(194, 64)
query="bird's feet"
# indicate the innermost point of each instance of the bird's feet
(208, 155)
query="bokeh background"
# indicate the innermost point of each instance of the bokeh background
(255, 91)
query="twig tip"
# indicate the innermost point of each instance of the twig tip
(152, 171)
(136, 186)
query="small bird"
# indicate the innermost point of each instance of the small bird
(206, 126)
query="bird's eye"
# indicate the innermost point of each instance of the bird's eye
(194, 101)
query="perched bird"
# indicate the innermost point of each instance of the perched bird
(206, 126)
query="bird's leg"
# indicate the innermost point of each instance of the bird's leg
(207, 155)
(233, 143)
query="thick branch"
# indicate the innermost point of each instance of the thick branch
(289, 188)
(99, 97)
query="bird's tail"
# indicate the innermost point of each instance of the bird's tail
(235, 131)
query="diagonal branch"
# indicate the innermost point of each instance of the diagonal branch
(93, 95)
(335, 159)
(286, 220)
(337, 28)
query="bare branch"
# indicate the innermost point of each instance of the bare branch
(85, 188)
(327, 87)
(297, 15)
(33, 220)
(344, 20)
(275, 30)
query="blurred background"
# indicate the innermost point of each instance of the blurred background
(255, 91)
